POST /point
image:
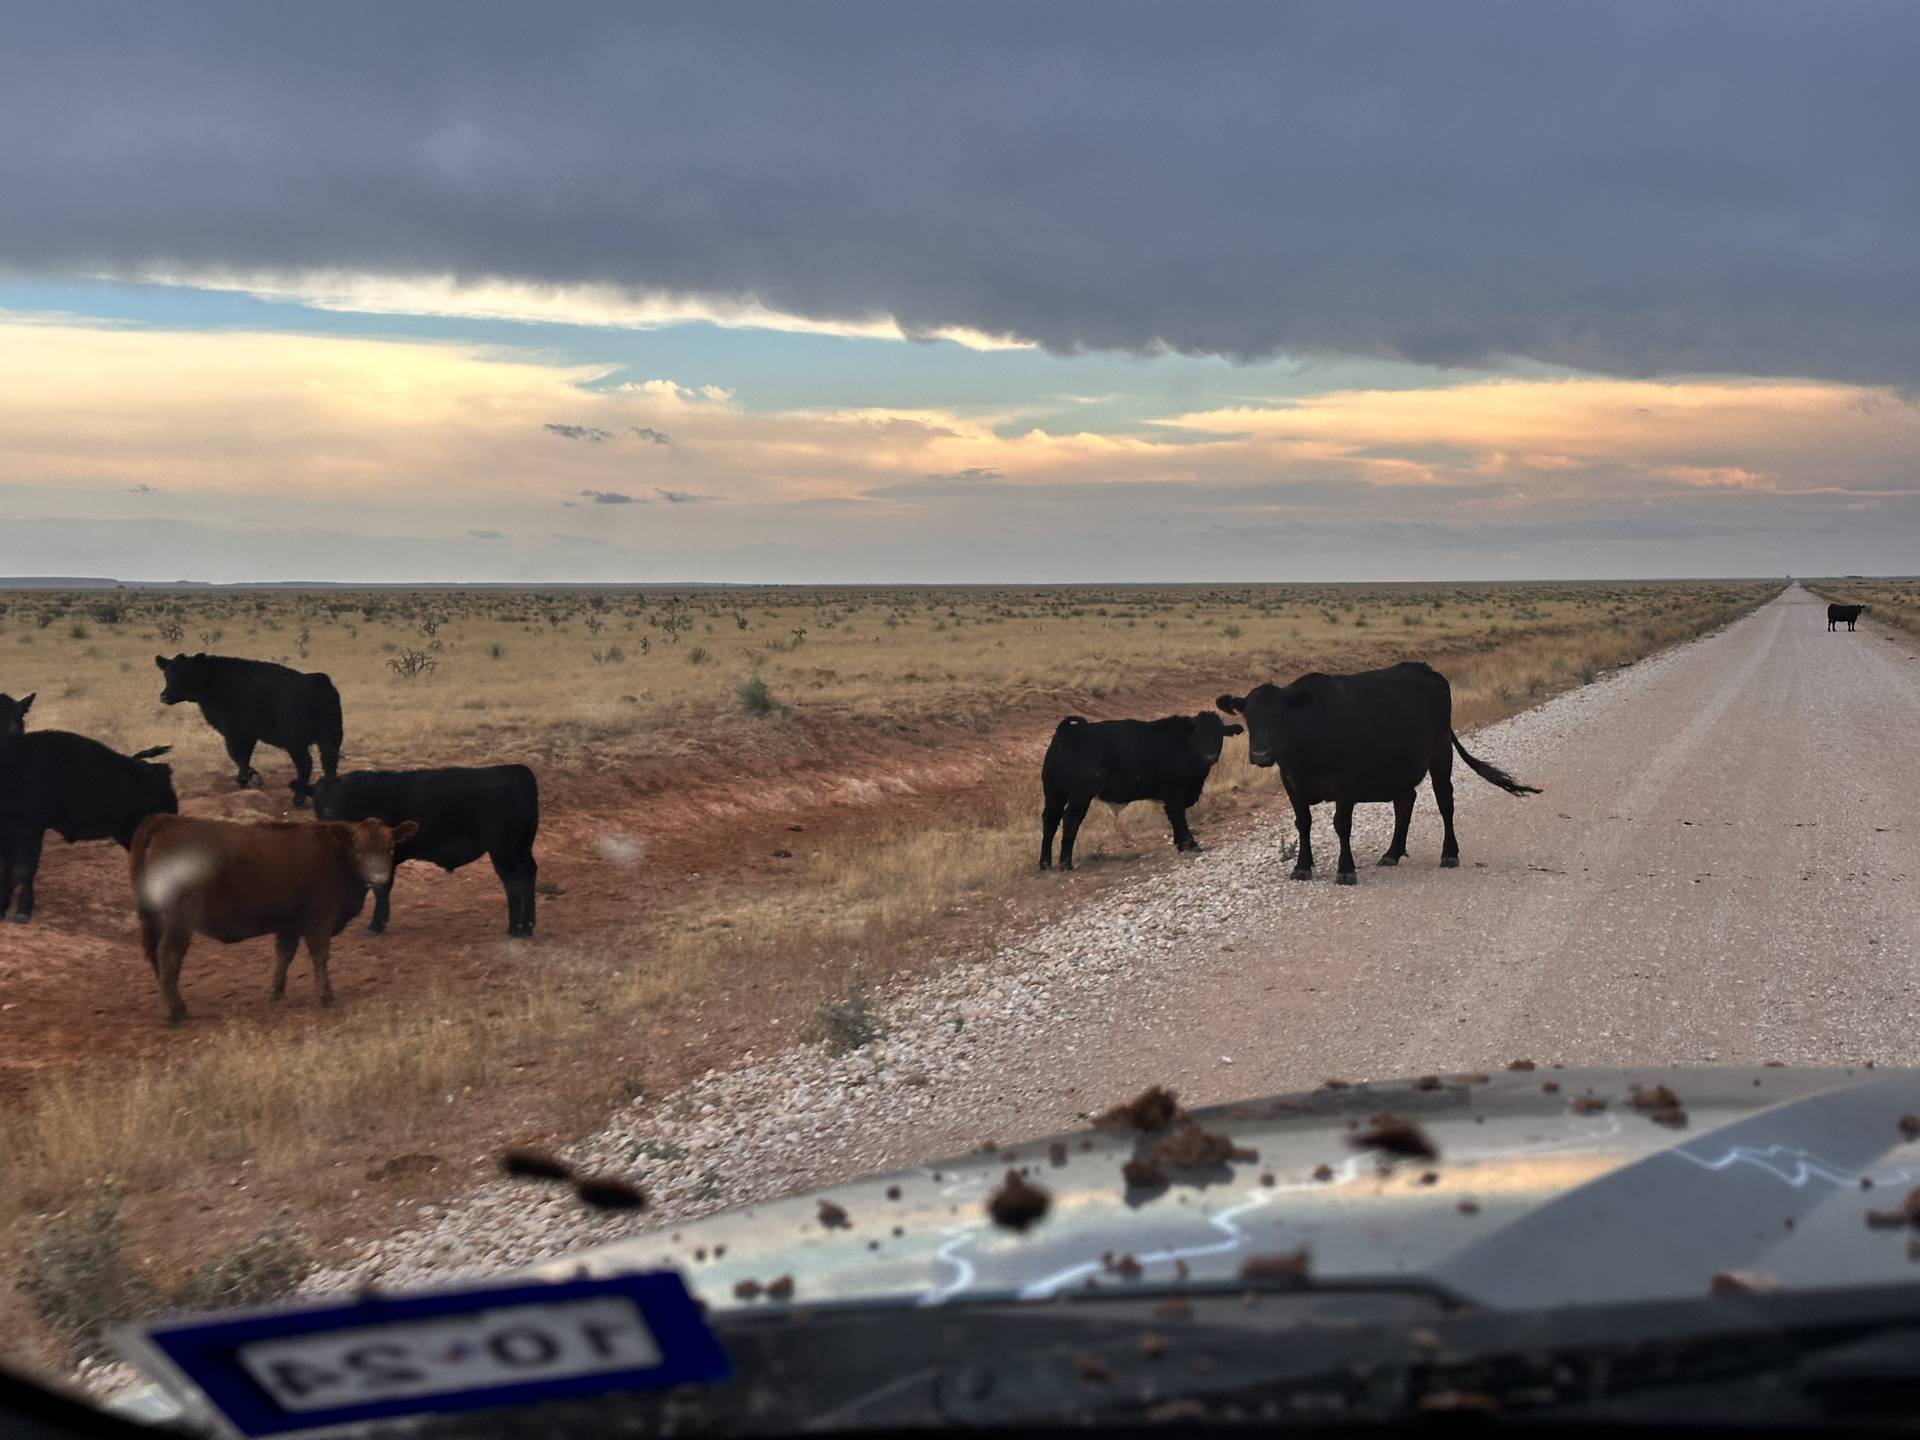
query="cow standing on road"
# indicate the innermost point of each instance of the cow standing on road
(78, 788)
(463, 812)
(13, 714)
(1120, 761)
(248, 701)
(234, 882)
(1361, 739)
(1848, 613)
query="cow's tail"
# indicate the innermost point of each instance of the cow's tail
(152, 752)
(1492, 774)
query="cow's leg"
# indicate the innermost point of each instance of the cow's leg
(319, 940)
(1343, 827)
(284, 947)
(175, 935)
(329, 759)
(1182, 836)
(26, 865)
(1402, 818)
(1443, 797)
(382, 896)
(1303, 855)
(1070, 827)
(150, 928)
(507, 867)
(302, 757)
(240, 751)
(1056, 806)
(6, 873)
(529, 870)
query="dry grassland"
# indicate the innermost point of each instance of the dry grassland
(906, 725)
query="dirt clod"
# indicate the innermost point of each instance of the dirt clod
(1391, 1135)
(534, 1165)
(1191, 1147)
(1289, 1265)
(1153, 1346)
(1090, 1367)
(1910, 1126)
(607, 1193)
(1154, 1108)
(1520, 1065)
(833, 1217)
(780, 1289)
(1018, 1204)
(747, 1290)
(1323, 1173)
(1588, 1104)
(1743, 1282)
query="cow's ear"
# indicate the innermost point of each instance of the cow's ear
(159, 662)
(1232, 704)
(26, 702)
(404, 830)
(1233, 730)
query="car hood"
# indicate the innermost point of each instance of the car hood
(1550, 1187)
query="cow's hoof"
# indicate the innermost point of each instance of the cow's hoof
(1303, 872)
(1066, 864)
(1449, 862)
(1388, 860)
(21, 917)
(1046, 865)
(381, 930)
(1192, 847)
(1346, 877)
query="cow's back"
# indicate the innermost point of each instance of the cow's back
(72, 784)
(463, 811)
(235, 881)
(1372, 734)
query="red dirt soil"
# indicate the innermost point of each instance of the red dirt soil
(622, 844)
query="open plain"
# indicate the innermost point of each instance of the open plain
(764, 813)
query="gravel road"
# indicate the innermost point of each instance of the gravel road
(1721, 869)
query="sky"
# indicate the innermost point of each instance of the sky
(987, 292)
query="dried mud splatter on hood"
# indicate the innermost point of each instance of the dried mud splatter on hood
(1393, 1135)
(1017, 1204)
(1154, 1108)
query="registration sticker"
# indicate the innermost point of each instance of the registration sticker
(278, 1371)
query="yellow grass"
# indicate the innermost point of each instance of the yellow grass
(1894, 602)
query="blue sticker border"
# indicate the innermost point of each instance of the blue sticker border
(204, 1350)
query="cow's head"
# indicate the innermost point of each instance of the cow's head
(373, 849)
(183, 674)
(328, 801)
(1269, 710)
(13, 714)
(152, 794)
(1210, 733)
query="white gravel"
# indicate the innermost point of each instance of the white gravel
(1216, 974)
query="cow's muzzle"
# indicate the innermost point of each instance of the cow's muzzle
(1261, 758)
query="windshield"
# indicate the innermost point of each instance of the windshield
(612, 616)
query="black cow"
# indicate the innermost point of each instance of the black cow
(13, 713)
(1120, 761)
(56, 780)
(1359, 739)
(248, 701)
(1848, 613)
(463, 812)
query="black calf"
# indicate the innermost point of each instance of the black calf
(1120, 761)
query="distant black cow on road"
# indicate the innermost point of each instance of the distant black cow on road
(463, 813)
(13, 713)
(1361, 739)
(1120, 761)
(1848, 613)
(248, 701)
(76, 787)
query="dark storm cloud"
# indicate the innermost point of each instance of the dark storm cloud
(608, 497)
(579, 432)
(1633, 188)
(649, 434)
(681, 497)
(143, 489)
(972, 472)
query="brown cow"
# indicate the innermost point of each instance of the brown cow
(233, 882)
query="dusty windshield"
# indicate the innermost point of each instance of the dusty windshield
(720, 601)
